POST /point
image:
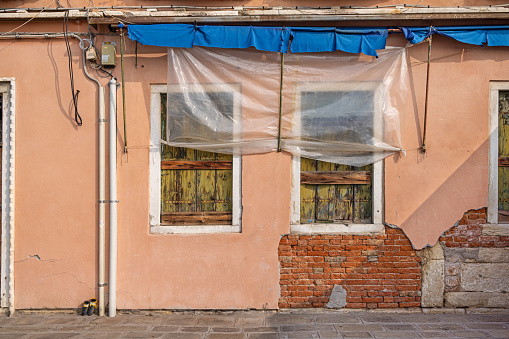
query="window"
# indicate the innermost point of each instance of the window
(327, 197)
(498, 191)
(193, 191)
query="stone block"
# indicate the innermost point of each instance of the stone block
(485, 277)
(432, 283)
(494, 229)
(452, 268)
(461, 254)
(466, 299)
(498, 300)
(337, 298)
(451, 281)
(494, 255)
(432, 253)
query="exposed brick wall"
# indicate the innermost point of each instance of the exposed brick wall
(377, 271)
(468, 233)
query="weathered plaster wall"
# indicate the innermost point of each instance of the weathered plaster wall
(56, 189)
(56, 221)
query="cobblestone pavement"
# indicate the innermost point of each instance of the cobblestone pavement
(257, 325)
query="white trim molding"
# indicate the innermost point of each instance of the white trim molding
(377, 226)
(7, 89)
(155, 171)
(492, 212)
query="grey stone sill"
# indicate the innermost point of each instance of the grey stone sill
(208, 229)
(350, 229)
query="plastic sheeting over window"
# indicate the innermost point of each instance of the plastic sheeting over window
(475, 35)
(339, 108)
(273, 39)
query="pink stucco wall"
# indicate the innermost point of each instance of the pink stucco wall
(56, 182)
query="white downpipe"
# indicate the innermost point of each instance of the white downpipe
(112, 310)
(102, 200)
(102, 188)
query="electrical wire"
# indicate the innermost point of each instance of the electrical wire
(26, 22)
(75, 95)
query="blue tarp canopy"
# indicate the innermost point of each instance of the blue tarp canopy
(273, 39)
(305, 39)
(475, 35)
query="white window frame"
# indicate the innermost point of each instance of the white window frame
(492, 212)
(377, 226)
(155, 166)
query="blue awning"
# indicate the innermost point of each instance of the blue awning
(305, 39)
(273, 39)
(475, 35)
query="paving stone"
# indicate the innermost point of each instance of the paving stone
(261, 329)
(337, 318)
(28, 320)
(75, 328)
(394, 334)
(122, 328)
(52, 335)
(496, 318)
(144, 335)
(487, 326)
(458, 318)
(434, 334)
(13, 335)
(165, 328)
(216, 320)
(251, 321)
(141, 319)
(299, 335)
(443, 327)
(102, 335)
(396, 318)
(108, 321)
(400, 327)
(359, 327)
(468, 334)
(20, 329)
(287, 319)
(182, 320)
(183, 336)
(420, 318)
(194, 329)
(226, 329)
(226, 336)
(329, 334)
(356, 335)
(64, 321)
(310, 328)
(498, 333)
(262, 336)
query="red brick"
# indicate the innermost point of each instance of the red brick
(356, 305)
(388, 305)
(374, 299)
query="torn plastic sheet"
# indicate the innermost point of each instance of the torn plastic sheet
(336, 107)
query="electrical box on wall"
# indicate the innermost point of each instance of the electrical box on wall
(109, 54)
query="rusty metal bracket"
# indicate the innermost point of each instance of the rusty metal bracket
(423, 147)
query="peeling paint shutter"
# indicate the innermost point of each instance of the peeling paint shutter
(503, 157)
(335, 193)
(196, 186)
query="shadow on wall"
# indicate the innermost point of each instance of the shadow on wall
(464, 189)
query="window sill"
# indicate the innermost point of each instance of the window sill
(208, 229)
(350, 229)
(495, 229)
